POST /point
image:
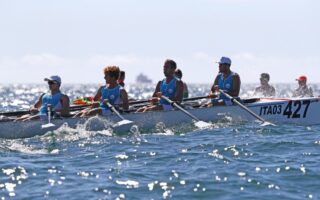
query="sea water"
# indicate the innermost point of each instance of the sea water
(228, 161)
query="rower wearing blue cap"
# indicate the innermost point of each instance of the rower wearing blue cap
(227, 81)
(55, 100)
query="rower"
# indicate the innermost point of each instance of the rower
(58, 102)
(226, 80)
(112, 93)
(121, 78)
(265, 89)
(178, 75)
(170, 87)
(303, 90)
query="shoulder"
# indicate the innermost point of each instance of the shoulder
(235, 74)
(258, 88)
(101, 88)
(42, 95)
(179, 82)
(64, 96)
(122, 89)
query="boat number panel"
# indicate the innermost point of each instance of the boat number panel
(294, 109)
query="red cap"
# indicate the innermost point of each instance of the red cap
(302, 78)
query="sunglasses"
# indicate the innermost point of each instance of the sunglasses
(52, 82)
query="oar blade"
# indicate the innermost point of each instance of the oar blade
(48, 125)
(122, 122)
(265, 123)
(202, 124)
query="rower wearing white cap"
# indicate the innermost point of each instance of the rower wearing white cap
(59, 102)
(227, 81)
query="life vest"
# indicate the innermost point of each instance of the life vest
(225, 84)
(168, 89)
(112, 95)
(54, 100)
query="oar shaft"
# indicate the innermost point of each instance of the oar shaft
(80, 107)
(179, 107)
(242, 106)
(196, 98)
(15, 113)
(115, 111)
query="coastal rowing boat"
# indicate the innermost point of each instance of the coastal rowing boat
(300, 111)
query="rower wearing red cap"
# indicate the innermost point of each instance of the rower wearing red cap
(303, 90)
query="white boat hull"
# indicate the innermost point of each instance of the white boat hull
(304, 111)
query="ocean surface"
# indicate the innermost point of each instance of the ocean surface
(229, 161)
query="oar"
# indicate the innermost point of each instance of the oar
(49, 124)
(80, 107)
(196, 98)
(24, 112)
(246, 109)
(15, 113)
(123, 121)
(198, 123)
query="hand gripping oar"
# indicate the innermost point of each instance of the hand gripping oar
(49, 124)
(246, 109)
(198, 123)
(123, 121)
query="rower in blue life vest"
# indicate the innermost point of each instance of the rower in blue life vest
(227, 81)
(58, 102)
(170, 87)
(112, 92)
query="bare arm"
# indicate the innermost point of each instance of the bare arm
(185, 88)
(125, 101)
(65, 101)
(214, 86)
(97, 97)
(37, 105)
(157, 90)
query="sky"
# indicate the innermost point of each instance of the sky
(76, 39)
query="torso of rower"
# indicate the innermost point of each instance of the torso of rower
(53, 100)
(168, 89)
(112, 94)
(225, 82)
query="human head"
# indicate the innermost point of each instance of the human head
(169, 67)
(302, 80)
(122, 75)
(224, 64)
(178, 73)
(53, 81)
(264, 78)
(111, 74)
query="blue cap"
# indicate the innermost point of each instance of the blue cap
(225, 60)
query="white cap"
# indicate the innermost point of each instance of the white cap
(53, 78)
(225, 60)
